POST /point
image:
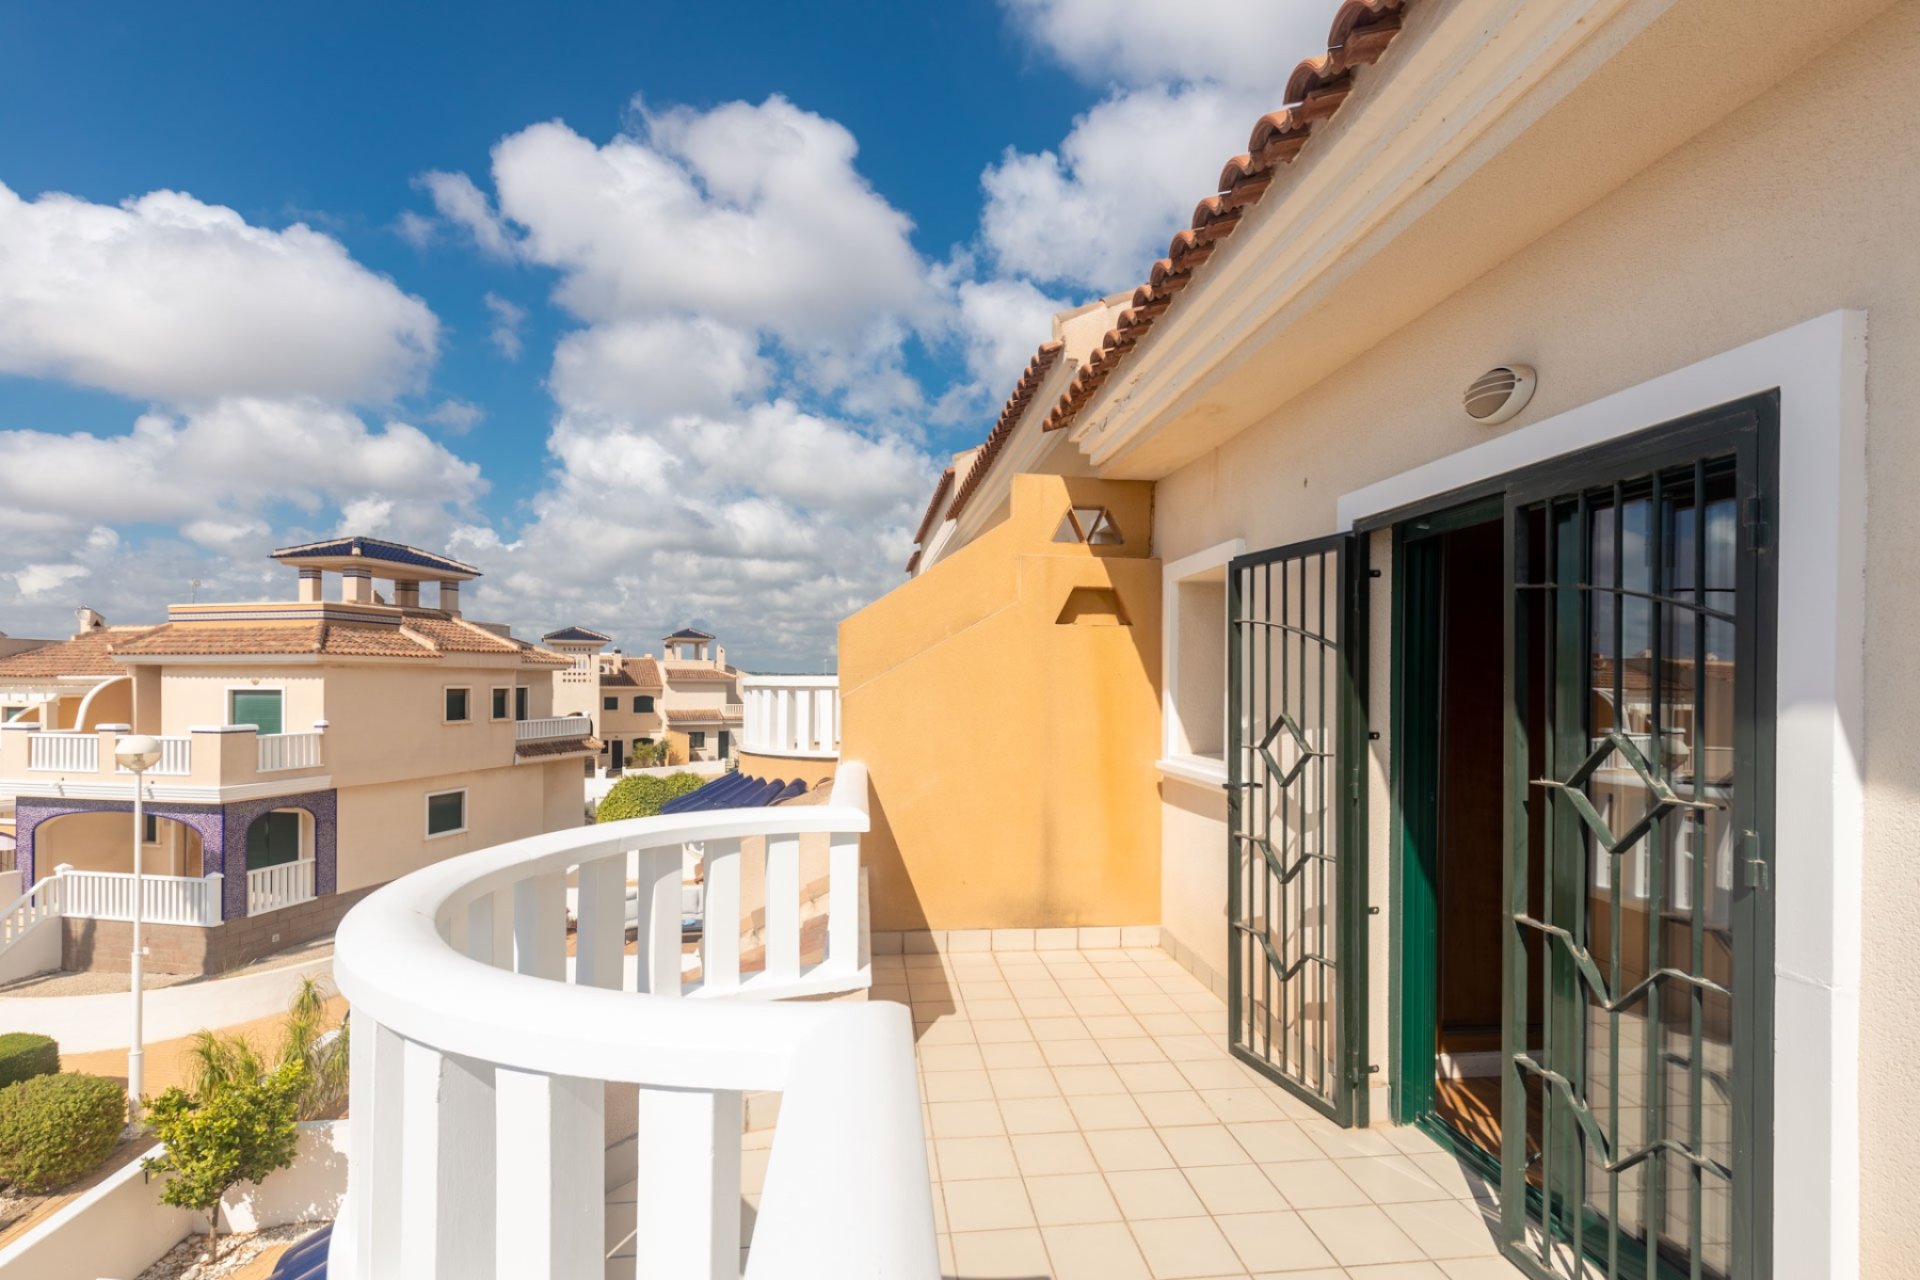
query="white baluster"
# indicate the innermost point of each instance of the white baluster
(660, 893)
(783, 907)
(720, 929)
(601, 923)
(843, 902)
(539, 926)
(687, 1201)
(549, 1208)
(446, 1166)
(377, 1136)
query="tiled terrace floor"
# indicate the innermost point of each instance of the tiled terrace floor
(1087, 1122)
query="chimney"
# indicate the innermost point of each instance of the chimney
(87, 620)
(356, 586)
(309, 586)
(720, 656)
(406, 594)
(450, 598)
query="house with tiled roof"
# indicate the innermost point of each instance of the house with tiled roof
(687, 701)
(310, 749)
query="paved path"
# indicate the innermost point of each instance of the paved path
(83, 1024)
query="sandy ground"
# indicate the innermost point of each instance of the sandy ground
(167, 1060)
(94, 984)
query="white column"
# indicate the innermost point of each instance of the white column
(843, 902)
(782, 738)
(446, 1166)
(540, 926)
(720, 930)
(687, 1217)
(803, 719)
(783, 907)
(601, 934)
(549, 1207)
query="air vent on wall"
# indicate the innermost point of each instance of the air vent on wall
(1498, 394)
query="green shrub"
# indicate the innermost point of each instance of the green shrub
(24, 1055)
(642, 795)
(55, 1130)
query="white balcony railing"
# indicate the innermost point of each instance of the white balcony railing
(64, 752)
(271, 888)
(483, 1078)
(796, 716)
(545, 727)
(108, 895)
(176, 758)
(289, 751)
(39, 903)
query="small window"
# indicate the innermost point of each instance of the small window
(1194, 648)
(458, 709)
(645, 742)
(152, 832)
(697, 739)
(520, 703)
(609, 704)
(643, 703)
(260, 708)
(502, 703)
(446, 813)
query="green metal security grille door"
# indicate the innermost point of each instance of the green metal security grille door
(1296, 963)
(1637, 1032)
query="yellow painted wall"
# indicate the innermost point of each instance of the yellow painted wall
(1010, 754)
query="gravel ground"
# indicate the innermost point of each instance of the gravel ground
(240, 1256)
(95, 984)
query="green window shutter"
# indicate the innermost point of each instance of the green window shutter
(260, 708)
(273, 839)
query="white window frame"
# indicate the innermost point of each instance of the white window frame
(446, 689)
(494, 693)
(1175, 762)
(1819, 370)
(426, 813)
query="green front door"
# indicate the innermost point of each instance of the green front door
(1636, 1102)
(1296, 893)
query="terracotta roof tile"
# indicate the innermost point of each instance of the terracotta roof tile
(87, 654)
(456, 635)
(1361, 32)
(633, 673)
(200, 639)
(556, 747)
(711, 674)
(1010, 414)
(933, 504)
(703, 715)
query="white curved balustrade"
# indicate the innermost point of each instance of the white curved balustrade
(795, 716)
(484, 1074)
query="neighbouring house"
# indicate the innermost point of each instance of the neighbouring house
(689, 698)
(311, 749)
(1450, 610)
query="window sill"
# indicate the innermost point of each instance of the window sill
(1201, 770)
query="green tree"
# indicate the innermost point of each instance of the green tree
(240, 1131)
(642, 795)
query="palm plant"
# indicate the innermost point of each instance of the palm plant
(217, 1061)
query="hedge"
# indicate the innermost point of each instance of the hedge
(55, 1130)
(24, 1055)
(641, 795)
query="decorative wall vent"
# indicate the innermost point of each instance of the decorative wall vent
(1091, 525)
(1499, 394)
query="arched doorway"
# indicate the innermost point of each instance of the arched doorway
(280, 861)
(102, 840)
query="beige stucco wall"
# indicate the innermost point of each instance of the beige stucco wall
(1804, 201)
(104, 842)
(382, 831)
(1009, 751)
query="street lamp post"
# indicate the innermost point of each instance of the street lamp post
(137, 753)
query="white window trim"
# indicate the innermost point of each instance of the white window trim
(1819, 368)
(1173, 763)
(226, 711)
(499, 688)
(426, 813)
(446, 689)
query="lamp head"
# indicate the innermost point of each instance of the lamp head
(137, 751)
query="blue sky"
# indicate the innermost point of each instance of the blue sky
(657, 313)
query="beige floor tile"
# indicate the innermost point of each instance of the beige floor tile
(1317, 1273)
(1107, 1111)
(1002, 1031)
(1212, 1072)
(1072, 1053)
(1234, 1188)
(1479, 1269)
(1033, 988)
(1046, 1007)
(1037, 1115)
(1119, 1026)
(1398, 1271)
(1199, 1002)
(939, 1211)
(1024, 1082)
(946, 1031)
(1135, 987)
(1085, 986)
(965, 1158)
(956, 1086)
(988, 1009)
(1122, 1149)
(888, 991)
(1190, 1048)
(1273, 1241)
(1045, 1029)
(947, 1265)
(1447, 1228)
(999, 1255)
(1314, 1184)
(1194, 1145)
(949, 1057)
(1347, 1144)
(1155, 1193)
(1165, 1110)
(1043, 1153)
(1459, 1181)
(1185, 1247)
(1143, 1049)
(987, 1204)
(1151, 1077)
(1152, 1000)
(1077, 1081)
(1102, 1005)
(1410, 1139)
(1392, 1180)
(1171, 1024)
(1068, 1198)
(1103, 1251)
(1274, 1141)
(965, 1119)
(1237, 1106)
(1024, 1053)
(1361, 1236)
